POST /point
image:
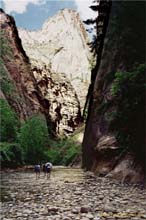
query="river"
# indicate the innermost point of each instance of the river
(70, 194)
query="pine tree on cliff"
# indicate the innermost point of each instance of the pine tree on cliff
(103, 8)
(93, 29)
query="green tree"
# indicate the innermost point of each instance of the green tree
(128, 89)
(9, 122)
(10, 155)
(33, 138)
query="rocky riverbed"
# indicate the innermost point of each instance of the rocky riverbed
(69, 194)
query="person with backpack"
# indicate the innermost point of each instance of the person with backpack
(48, 169)
(37, 169)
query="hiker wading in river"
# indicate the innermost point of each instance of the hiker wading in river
(37, 169)
(47, 168)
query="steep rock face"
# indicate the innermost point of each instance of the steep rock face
(30, 89)
(114, 142)
(64, 108)
(62, 45)
(17, 82)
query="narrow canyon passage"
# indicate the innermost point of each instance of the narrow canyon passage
(70, 194)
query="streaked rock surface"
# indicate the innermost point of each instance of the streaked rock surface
(34, 88)
(62, 45)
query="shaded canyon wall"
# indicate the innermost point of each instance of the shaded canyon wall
(114, 139)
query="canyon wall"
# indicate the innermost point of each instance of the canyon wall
(32, 88)
(62, 44)
(114, 139)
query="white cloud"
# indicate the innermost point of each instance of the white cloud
(19, 6)
(87, 13)
(84, 10)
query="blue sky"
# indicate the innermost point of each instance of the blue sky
(34, 15)
(31, 14)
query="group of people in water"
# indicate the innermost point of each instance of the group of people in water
(46, 168)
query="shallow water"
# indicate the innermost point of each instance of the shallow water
(19, 180)
(70, 194)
